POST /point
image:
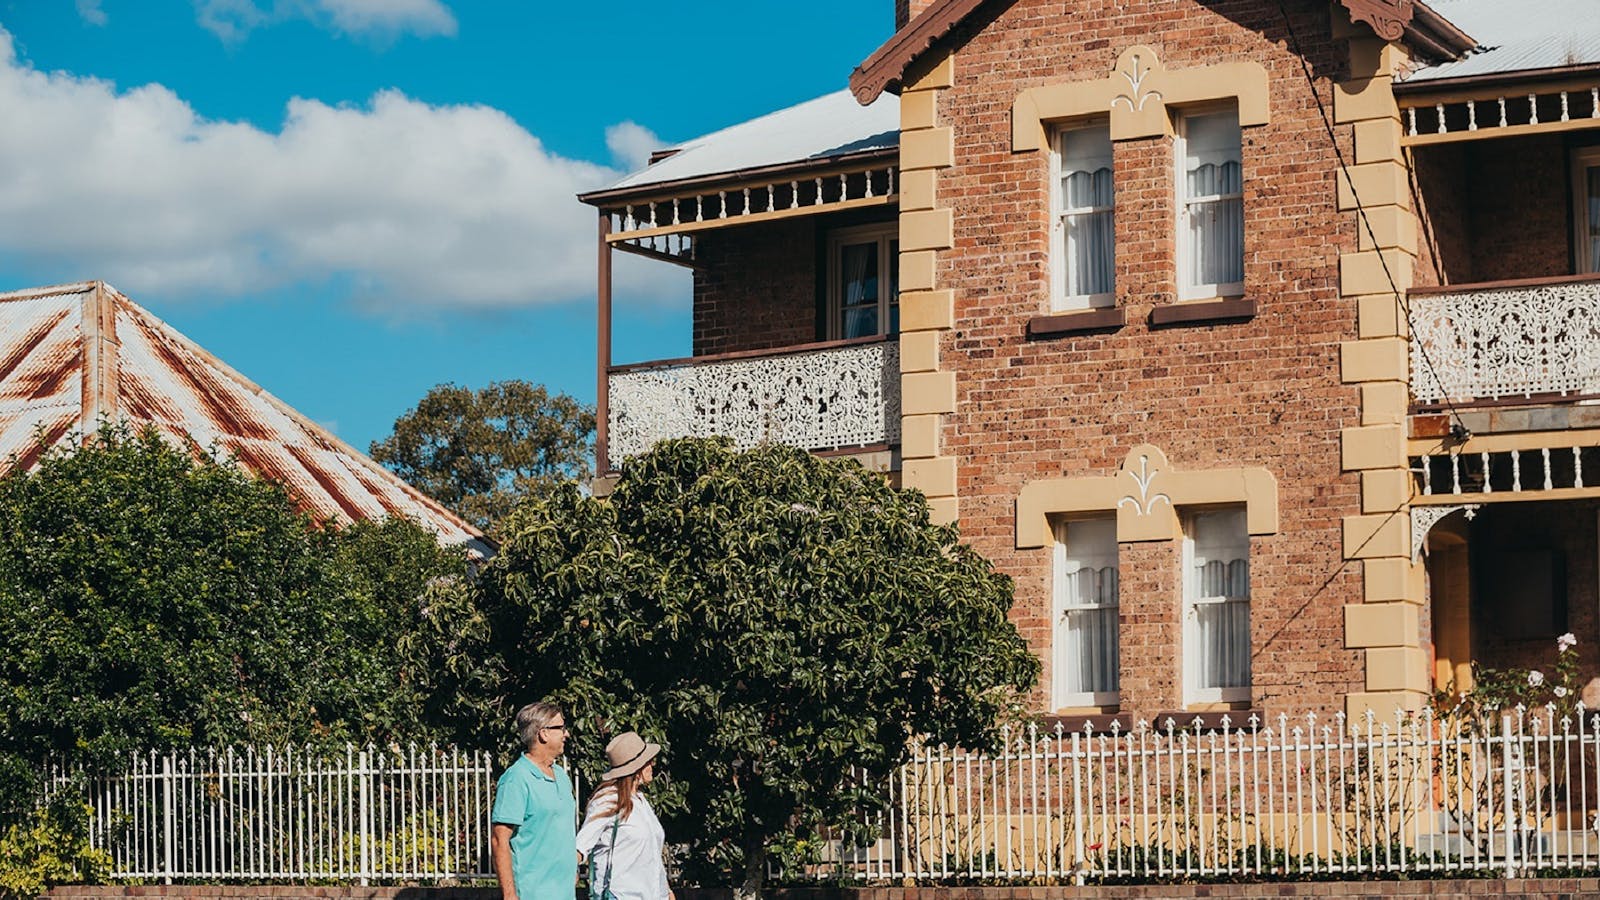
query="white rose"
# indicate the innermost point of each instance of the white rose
(1535, 678)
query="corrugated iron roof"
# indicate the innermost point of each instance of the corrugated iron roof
(831, 125)
(1519, 36)
(74, 353)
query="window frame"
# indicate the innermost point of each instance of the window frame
(1059, 697)
(1182, 242)
(887, 236)
(1193, 692)
(1583, 159)
(1060, 300)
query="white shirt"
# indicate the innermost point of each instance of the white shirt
(638, 871)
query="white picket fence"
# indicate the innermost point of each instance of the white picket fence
(1307, 796)
(1509, 795)
(396, 814)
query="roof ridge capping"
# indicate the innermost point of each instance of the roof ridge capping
(51, 290)
(1410, 20)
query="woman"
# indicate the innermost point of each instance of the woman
(621, 837)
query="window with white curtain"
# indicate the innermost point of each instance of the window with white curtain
(1084, 661)
(1216, 591)
(1211, 205)
(1082, 233)
(863, 281)
(1586, 209)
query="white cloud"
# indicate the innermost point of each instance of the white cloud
(414, 204)
(420, 17)
(231, 20)
(631, 144)
(90, 12)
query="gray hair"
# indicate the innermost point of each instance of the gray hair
(532, 719)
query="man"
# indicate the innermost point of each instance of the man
(534, 841)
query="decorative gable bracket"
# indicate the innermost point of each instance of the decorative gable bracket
(1388, 18)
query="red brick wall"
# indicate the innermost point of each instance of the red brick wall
(1496, 209)
(1519, 191)
(1444, 223)
(758, 289)
(905, 10)
(1260, 393)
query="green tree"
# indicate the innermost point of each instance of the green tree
(776, 618)
(480, 452)
(150, 599)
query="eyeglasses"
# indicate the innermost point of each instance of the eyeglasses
(557, 728)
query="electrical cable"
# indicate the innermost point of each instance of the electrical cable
(1459, 430)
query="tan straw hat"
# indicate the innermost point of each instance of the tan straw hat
(628, 753)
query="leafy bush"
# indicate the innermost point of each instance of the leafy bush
(1496, 690)
(775, 618)
(49, 847)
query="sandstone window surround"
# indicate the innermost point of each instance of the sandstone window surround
(1142, 98)
(1145, 495)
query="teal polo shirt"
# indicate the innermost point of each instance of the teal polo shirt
(544, 848)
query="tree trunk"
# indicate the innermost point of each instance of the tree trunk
(755, 870)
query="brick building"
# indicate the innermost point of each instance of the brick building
(1256, 340)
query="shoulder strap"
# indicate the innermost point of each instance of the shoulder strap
(611, 855)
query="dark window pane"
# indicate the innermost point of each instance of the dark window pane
(861, 322)
(858, 265)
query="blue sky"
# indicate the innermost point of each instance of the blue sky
(351, 201)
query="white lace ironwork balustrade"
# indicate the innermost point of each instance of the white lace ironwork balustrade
(834, 397)
(1506, 342)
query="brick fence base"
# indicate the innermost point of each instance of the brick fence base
(1543, 888)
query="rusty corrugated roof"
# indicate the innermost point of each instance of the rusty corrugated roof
(72, 354)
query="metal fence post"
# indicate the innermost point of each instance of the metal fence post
(363, 772)
(1506, 795)
(169, 829)
(1078, 861)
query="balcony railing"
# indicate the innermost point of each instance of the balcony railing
(816, 396)
(1500, 340)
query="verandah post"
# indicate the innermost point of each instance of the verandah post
(602, 407)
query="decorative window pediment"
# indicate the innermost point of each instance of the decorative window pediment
(1136, 96)
(1146, 494)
